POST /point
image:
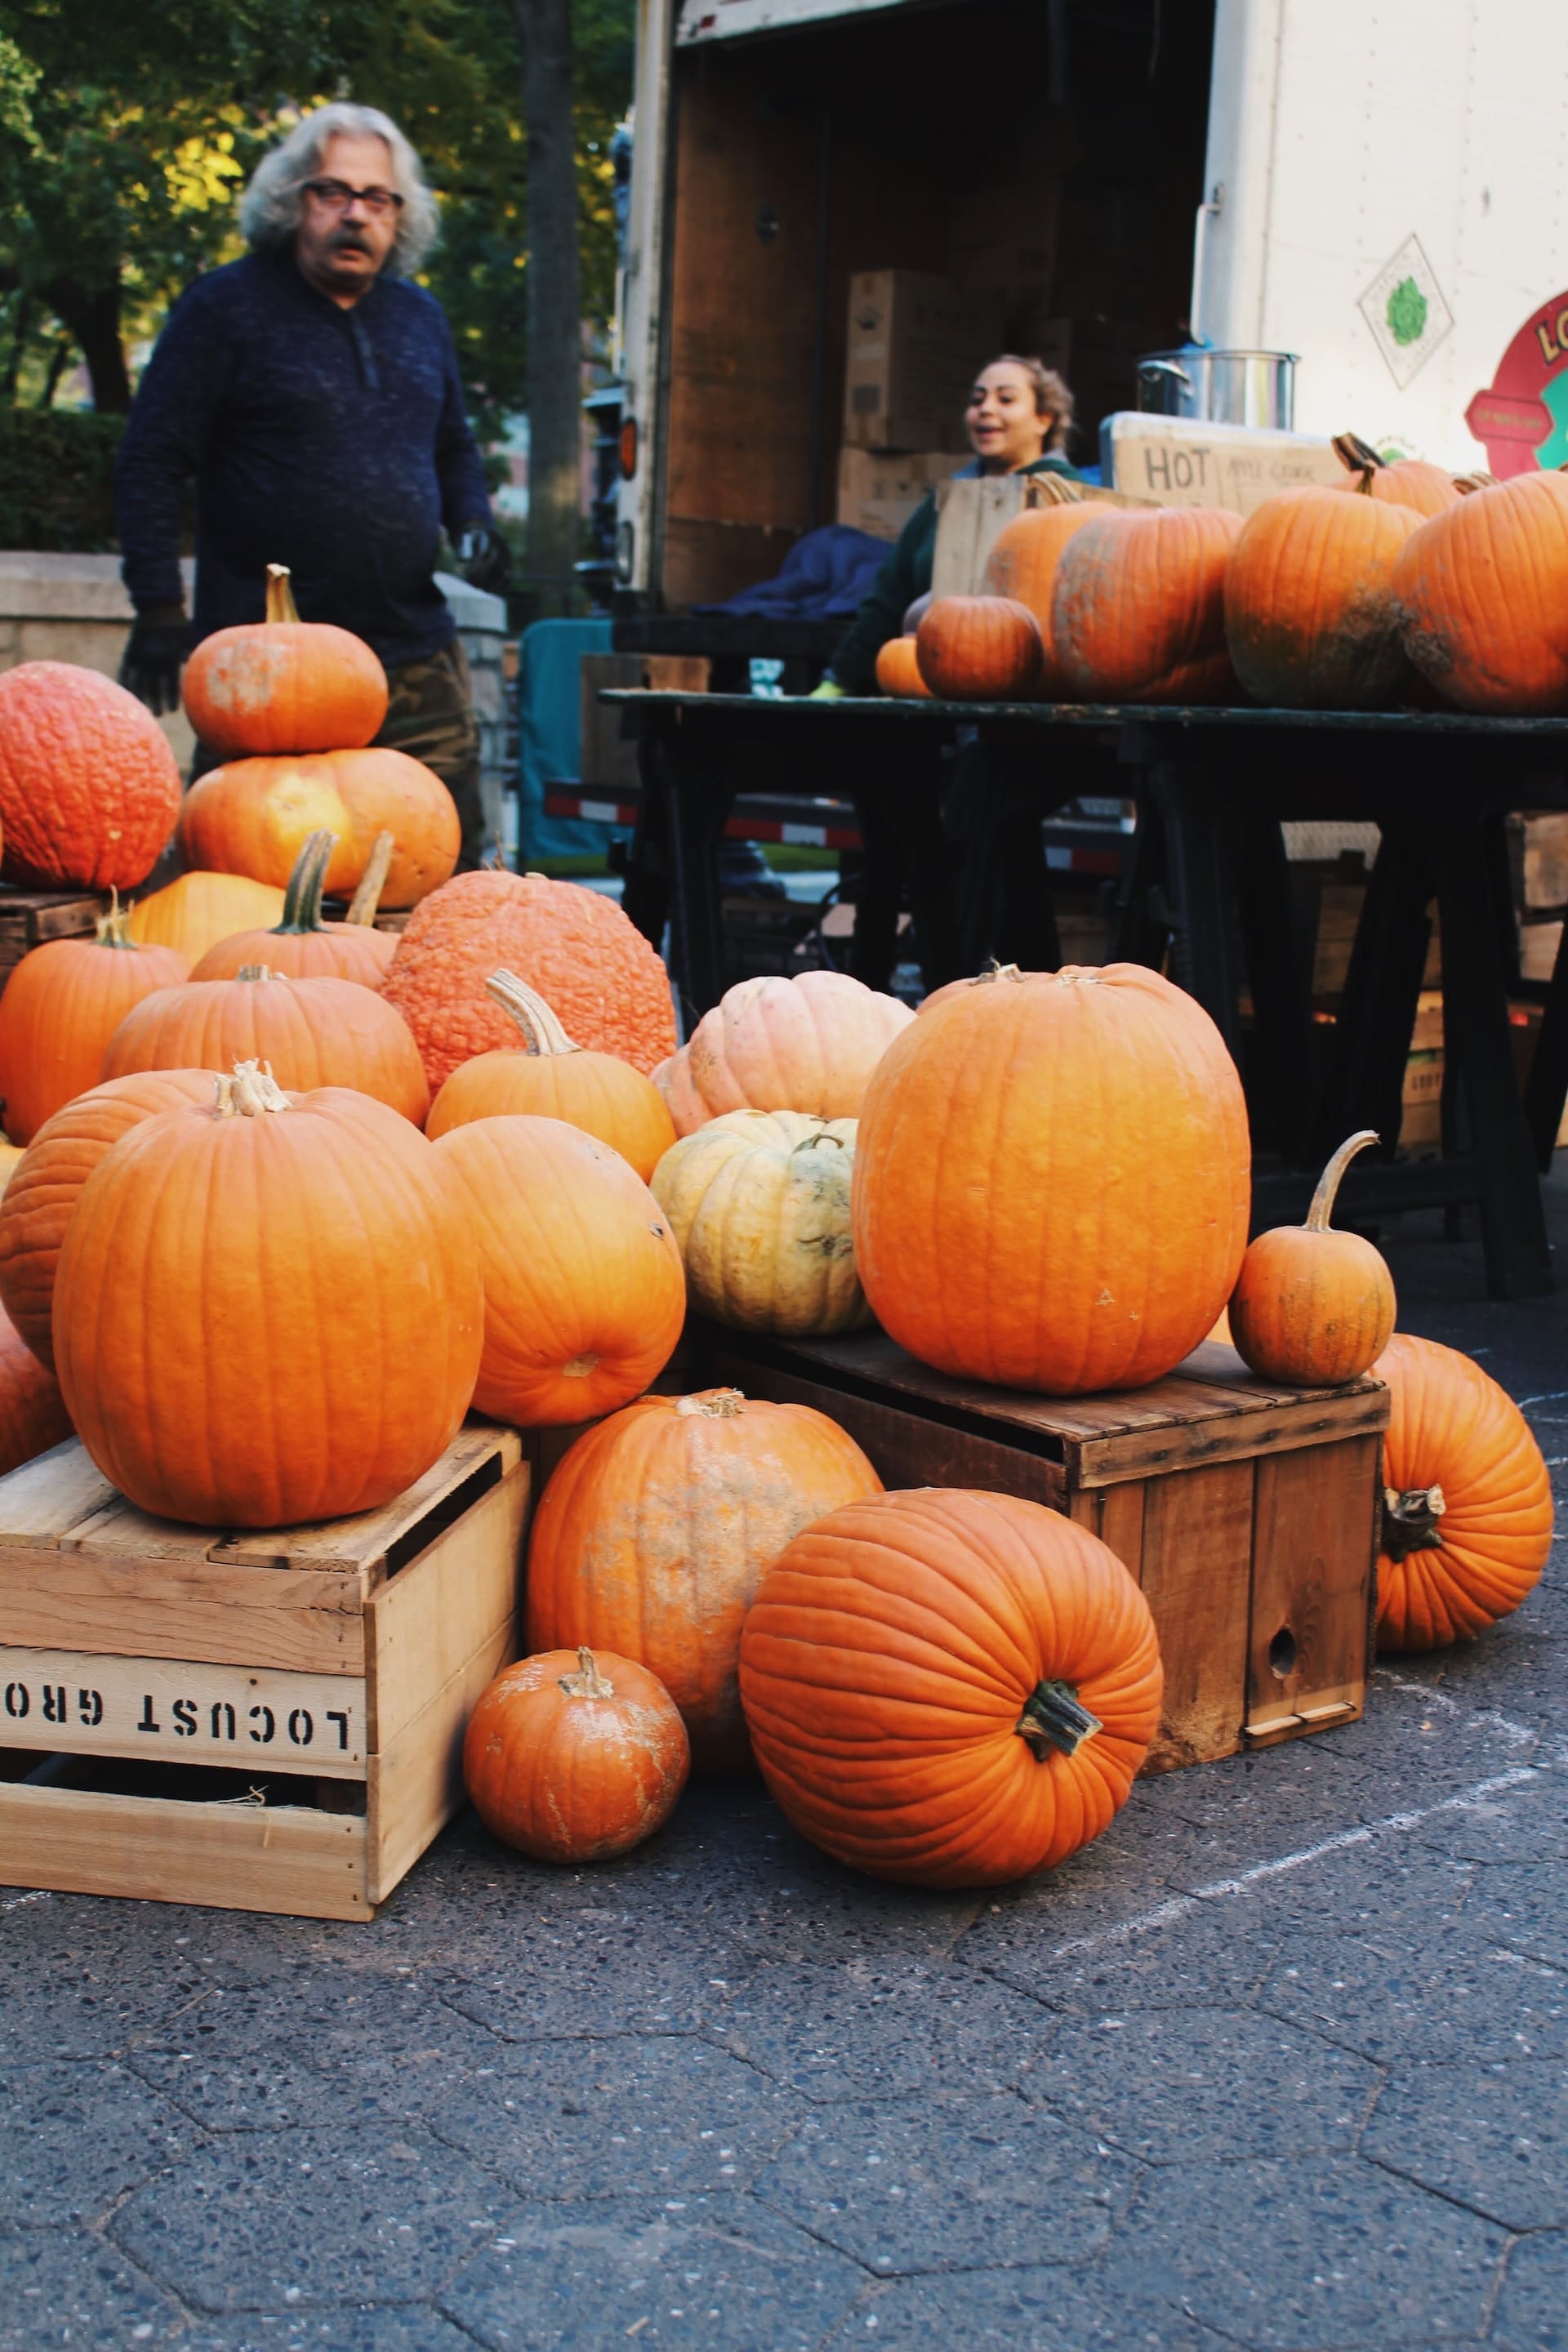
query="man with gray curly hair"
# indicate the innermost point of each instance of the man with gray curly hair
(311, 390)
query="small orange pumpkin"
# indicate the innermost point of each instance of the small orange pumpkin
(1313, 1307)
(44, 1188)
(553, 1078)
(1410, 482)
(1467, 1519)
(575, 1756)
(311, 1033)
(283, 684)
(61, 1006)
(584, 1294)
(980, 649)
(899, 669)
(301, 945)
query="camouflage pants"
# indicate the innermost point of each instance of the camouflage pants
(431, 717)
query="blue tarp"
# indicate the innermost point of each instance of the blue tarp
(549, 735)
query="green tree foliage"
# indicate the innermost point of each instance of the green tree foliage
(126, 134)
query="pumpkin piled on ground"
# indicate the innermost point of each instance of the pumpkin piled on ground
(61, 1006)
(301, 944)
(759, 1203)
(310, 1034)
(596, 971)
(44, 1191)
(950, 1687)
(313, 1284)
(283, 684)
(546, 1076)
(1138, 609)
(657, 1528)
(1466, 1520)
(980, 649)
(584, 1296)
(1311, 1306)
(809, 1044)
(1051, 1180)
(1309, 613)
(196, 910)
(33, 1416)
(575, 1756)
(1482, 590)
(90, 788)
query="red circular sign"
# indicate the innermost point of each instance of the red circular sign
(1523, 418)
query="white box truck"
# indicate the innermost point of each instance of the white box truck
(1383, 193)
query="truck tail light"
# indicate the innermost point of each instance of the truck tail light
(629, 447)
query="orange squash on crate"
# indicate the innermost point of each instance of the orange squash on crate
(575, 1756)
(283, 684)
(61, 1006)
(1311, 1306)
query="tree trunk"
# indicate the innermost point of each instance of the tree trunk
(92, 317)
(554, 297)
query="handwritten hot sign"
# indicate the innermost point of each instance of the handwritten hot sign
(80, 1702)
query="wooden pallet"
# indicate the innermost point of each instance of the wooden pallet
(265, 1722)
(30, 918)
(1249, 1512)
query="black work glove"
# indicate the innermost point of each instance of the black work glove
(484, 558)
(159, 641)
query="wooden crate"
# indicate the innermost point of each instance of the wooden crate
(1249, 1512)
(267, 1722)
(30, 918)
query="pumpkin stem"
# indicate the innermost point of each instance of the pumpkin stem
(280, 604)
(542, 1029)
(817, 1138)
(109, 928)
(587, 1682)
(1329, 1183)
(251, 1090)
(1410, 1520)
(256, 972)
(1356, 455)
(1466, 483)
(302, 898)
(372, 881)
(995, 970)
(716, 1404)
(1055, 1716)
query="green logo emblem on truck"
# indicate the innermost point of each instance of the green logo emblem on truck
(1407, 313)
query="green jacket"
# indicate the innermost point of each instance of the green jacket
(905, 575)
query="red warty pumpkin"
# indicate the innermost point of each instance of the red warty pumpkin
(90, 788)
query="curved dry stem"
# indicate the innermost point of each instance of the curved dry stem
(541, 1026)
(256, 972)
(1329, 1183)
(372, 881)
(280, 604)
(1356, 455)
(587, 1682)
(110, 930)
(302, 898)
(723, 1405)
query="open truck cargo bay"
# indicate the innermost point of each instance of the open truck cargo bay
(1381, 197)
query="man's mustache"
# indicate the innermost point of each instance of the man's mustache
(348, 241)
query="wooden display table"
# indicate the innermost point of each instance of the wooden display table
(1249, 1512)
(266, 1722)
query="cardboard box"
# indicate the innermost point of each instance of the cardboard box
(878, 491)
(1182, 462)
(914, 343)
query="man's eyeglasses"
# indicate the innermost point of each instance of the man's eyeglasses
(336, 196)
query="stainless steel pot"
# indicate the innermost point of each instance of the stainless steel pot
(1221, 387)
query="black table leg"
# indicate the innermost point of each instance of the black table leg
(1144, 927)
(644, 896)
(879, 890)
(1547, 1087)
(699, 799)
(1199, 893)
(911, 807)
(1365, 1085)
(1280, 1003)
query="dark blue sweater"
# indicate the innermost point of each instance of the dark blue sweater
(331, 440)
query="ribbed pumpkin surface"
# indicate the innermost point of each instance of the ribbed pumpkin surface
(657, 1529)
(1051, 1180)
(1452, 1426)
(197, 909)
(888, 1659)
(1023, 562)
(809, 1044)
(290, 686)
(33, 1416)
(355, 951)
(1483, 591)
(89, 789)
(1138, 612)
(61, 1006)
(254, 816)
(596, 1092)
(1309, 613)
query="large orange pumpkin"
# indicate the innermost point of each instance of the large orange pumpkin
(899, 670)
(1051, 1180)
(61, 1006)
(1483, 595)
(1467, 1521)
(254, 816)
(310, 1033)
(575, 1757)
(196, 910)
(89, 789)
(607, 987)
(980, 649)
(1137, 613)
(283, 684)
(301, 945)
(1309, 613)
(33, 1416)
(948, 1687)
(584, 1296)
(1023, 565)
(809, 1044)
(553, 1078)
(44, 1190)
(657, 1528)
(268, 1312)
(1410, 482)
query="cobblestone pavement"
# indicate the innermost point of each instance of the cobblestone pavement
(1278, 2062)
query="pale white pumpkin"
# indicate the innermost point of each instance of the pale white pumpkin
(759, 1203)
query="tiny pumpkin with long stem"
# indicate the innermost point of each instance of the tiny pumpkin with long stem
(303, 945)
(552, 1077)
(575, 1756)
(1312, 1307)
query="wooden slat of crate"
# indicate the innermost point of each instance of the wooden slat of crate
(1247, 1511)
(30, 918)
